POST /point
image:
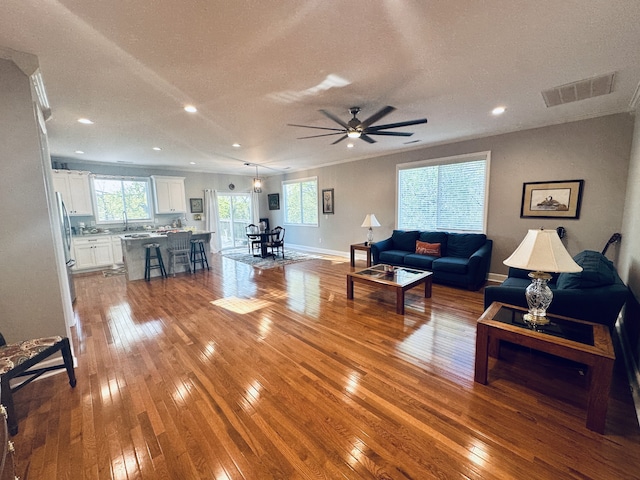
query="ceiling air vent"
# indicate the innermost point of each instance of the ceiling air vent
(581, 90)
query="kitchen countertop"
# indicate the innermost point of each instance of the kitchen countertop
(133, 234)
(145, 235)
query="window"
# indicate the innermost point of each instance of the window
(119, 199)
(301, 201)
(447, 194)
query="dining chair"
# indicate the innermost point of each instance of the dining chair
(253, 238)
(276, 241)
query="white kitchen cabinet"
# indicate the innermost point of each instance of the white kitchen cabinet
(169, 194)
(116, 247)
(75, 189)
(92, 252)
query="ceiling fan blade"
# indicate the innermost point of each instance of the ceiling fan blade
(367, 139)
(392, 134)
(334, 118)
(339, 140)
(396, 125)
(377, 116)
(323, 135)
(318, 128)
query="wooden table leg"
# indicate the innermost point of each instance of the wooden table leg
(427, 287)
(349, 288)
(599, 385)
(353, 257)
(399, 301)
(482, 354)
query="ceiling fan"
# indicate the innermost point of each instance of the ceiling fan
(354, 128)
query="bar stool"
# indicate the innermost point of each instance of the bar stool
(157, 256)
(179, 248)
(198, 254)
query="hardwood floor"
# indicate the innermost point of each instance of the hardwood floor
(239, 373)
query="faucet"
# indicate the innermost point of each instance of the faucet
(126, 220)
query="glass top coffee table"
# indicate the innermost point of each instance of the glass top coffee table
(583, 342)
(399, 280)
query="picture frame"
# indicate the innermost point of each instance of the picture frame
(553, 199)
(327, 201)
(196, 205)
(274, 201)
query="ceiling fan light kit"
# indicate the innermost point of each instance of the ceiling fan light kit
(363, 130)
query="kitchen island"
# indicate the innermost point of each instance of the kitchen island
(133, 251)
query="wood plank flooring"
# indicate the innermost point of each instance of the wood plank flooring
(239, 373)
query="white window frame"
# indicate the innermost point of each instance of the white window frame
(146, 180)
(469, 157)
(286, 206)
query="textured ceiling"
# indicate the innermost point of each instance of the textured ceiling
(252, 67)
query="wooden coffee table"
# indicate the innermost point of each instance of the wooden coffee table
(583, 342)
(400, 281)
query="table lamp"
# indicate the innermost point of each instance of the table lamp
(541, 251)
(370, 221)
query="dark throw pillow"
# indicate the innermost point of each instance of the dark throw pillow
(597, 271)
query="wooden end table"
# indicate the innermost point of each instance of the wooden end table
(583, 342)
(400, 281)
(363, 247)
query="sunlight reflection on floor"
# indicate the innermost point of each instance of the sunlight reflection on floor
(240, 305)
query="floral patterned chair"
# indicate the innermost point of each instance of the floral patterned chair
(17, 360)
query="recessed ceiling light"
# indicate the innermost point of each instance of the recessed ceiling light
(192, 163)
(190, 109)
(85, 121)
(79, 152)
(349, 145)
(236, 145)
(498, 110)
(157, 149)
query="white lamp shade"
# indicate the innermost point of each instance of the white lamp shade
(370, 221)
(542, 251)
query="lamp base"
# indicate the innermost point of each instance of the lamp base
(370, 236)
(539, 297)
(536, 320)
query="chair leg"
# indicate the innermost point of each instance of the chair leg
(163, 272)
(65, 349)
(7, 401)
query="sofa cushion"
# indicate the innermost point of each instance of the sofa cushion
(426, 248)
(393, 257)
(451, 265)
(463, 245)
(423, 262)
(597, 271)
(405, 240)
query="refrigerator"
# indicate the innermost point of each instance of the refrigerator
(65, 226)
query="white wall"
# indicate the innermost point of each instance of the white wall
(31, 302)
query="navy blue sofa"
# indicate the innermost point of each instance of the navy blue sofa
(596, 294)
(463, 260)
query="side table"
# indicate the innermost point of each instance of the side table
(580, 341)
(363, 247)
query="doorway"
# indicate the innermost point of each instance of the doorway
(234, 214)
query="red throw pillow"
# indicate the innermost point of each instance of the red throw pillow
(425, 248)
